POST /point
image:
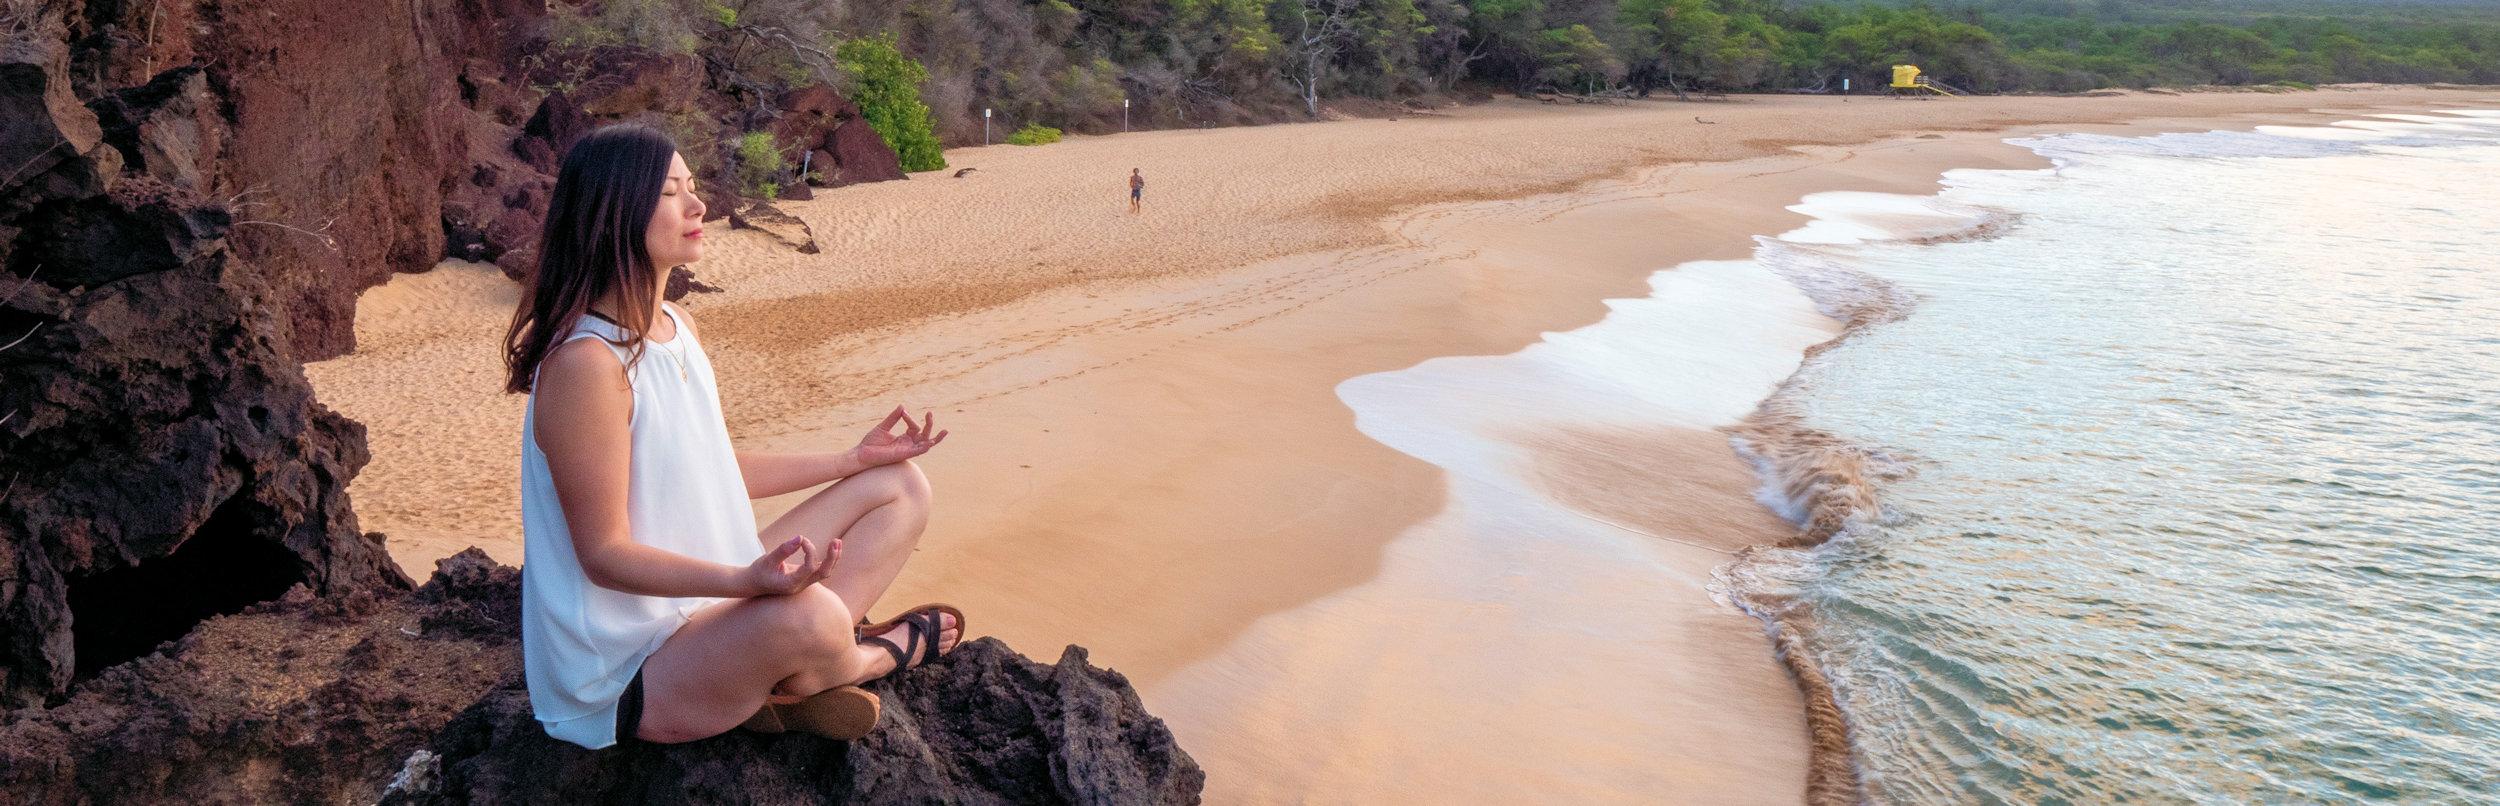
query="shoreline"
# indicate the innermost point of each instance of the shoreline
(1159, 424)
(1831, 486)
(442, 324)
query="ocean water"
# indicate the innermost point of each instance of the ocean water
(2168, 474)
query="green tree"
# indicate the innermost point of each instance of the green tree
(1575, 57)
(759, 165)
(1229, 42)
(1504, 35)
(886, 84)
(1673, 42)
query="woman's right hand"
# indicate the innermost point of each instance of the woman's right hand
(774, 572)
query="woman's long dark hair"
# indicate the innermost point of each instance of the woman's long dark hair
(592, 245)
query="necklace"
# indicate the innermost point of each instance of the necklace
(674, 355)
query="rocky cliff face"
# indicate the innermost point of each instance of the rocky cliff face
(357, 139)
(163, 457)
(327, 126)
(191, 196)
(833, 141)
(194, 194)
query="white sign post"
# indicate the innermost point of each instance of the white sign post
(985, 125)
(1124, 114)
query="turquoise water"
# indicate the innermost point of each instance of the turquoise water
(2188, 476)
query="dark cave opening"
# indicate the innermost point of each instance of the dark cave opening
(123, 614)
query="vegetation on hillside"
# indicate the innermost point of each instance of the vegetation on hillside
(1070, 64)
(1033, 134)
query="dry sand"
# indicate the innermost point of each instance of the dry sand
(1150, 457)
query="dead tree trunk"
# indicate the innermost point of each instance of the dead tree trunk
(1324, 25)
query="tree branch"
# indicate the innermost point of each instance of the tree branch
(22, 284)
(30, 162)
(321, 233)
(30, 333)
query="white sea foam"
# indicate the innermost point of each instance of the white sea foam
(1941, 730)
(2091, 597)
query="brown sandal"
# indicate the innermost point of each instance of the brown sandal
(842, 713)
(922, 626)
(863, 628)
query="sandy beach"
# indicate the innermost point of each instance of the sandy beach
(1158, 453)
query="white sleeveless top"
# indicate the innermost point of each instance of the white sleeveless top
(581, 643)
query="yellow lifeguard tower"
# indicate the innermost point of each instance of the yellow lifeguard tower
(1907, 81)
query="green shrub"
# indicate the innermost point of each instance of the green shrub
(759, 165)
(2298, 85)
(886, 85)
(697, 136)
(1033, 134)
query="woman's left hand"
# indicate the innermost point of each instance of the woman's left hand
(884, 447)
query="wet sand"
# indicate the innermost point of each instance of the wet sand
(1150, 457)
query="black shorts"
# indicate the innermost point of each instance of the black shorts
(1136, 193)
(629, 709)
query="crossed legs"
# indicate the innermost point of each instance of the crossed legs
(715, 671)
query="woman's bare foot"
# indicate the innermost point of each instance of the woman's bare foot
(895, 641)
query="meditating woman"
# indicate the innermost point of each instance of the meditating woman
(651, 606)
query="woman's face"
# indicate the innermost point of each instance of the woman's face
(675, 236)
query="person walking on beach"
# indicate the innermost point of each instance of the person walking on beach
(1136, 190)
(652, 608)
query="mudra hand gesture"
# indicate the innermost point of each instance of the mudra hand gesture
(776, 573)
(884, 447)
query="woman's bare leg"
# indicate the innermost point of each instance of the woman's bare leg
(715, 671)
(724, 664)
(879, 513)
